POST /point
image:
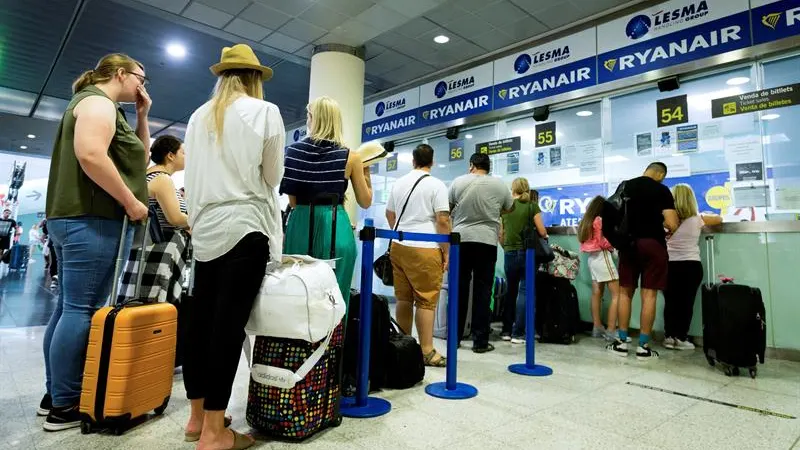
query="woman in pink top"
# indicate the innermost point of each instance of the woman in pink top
(601, 265)
(685, 271)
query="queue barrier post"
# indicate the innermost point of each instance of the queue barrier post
(362, 406)
(530, 368)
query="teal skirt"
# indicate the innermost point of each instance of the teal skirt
(296, 241)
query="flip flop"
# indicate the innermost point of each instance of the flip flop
(240, 441)
(194, 437)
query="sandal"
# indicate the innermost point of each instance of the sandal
(241, 442)
(428, 359)
(194, 437)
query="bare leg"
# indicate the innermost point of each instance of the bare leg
(196, 417)
(405, 315)
(613, 286)
(425, 318)
(624, 309)
(648, 310)
(597, 302)
(215, 436)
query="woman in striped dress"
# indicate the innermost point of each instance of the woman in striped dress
(321, 165)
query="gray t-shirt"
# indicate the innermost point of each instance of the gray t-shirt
(477, 214)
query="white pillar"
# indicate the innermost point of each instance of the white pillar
(338, 72)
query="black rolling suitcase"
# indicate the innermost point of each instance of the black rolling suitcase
(557, 313)
(381, 330)
(313, 403)
(734, 322)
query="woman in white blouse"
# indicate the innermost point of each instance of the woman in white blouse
(231, 178)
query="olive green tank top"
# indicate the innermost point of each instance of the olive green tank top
(70, 192)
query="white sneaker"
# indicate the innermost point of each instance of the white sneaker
(683, 345)
(670, 343)
(517, 340)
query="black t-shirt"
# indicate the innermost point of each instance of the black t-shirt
(648, 200)
(8, 228)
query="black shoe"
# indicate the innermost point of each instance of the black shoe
(63, 419)
(45, 406)
(488, 348)
(505, 336)
(618, 348)
(645, 353)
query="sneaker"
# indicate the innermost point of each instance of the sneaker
(63, 419)
(45, 406)
(616, 337)
(669, 343)
(517, 340)
(645, 353)
(618, 348)
(682, 345)
(505, 336)
(598, 332)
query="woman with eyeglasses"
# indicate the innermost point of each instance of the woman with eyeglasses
(97, 177)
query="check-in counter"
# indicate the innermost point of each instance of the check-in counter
(765, 255)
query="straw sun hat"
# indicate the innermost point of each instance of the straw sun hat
(240, 56)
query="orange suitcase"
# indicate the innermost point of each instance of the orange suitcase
(130, 358)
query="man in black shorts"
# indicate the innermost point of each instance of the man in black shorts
(650, 209)
(8, 230)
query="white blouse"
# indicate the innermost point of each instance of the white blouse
(231, 184)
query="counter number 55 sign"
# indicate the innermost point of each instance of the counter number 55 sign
(546, 134)
(672, 111)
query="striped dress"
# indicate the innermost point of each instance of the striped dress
(314, 168)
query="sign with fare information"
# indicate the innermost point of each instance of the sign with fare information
(511, 144)
(560, 66)
(456, 150)
(672, 111)
(775, 19)
(671, 33)
(545, 134)
(778, 97)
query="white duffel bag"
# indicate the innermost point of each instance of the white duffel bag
(298, 300)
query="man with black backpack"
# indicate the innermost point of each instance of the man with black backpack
(645, 209)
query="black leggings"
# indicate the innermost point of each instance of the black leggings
(683, 280)
(224, 291)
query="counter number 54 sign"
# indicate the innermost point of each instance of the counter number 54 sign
(672, 111)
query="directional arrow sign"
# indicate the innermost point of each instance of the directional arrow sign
(35, 195)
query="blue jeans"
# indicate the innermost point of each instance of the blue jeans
(515, 297)
(86, 249)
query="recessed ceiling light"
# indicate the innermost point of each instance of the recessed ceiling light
(176, 50)
(736, 81)
(584, 113)
(31, 136)
(442, 166)
(469, 136)
(770, 116)
(441, 39)
(24, 147)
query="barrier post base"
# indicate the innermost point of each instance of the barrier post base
(535, 370)
(375, 407)
(461, 392)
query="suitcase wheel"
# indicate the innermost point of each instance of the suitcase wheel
(86, 427)
(336, 422)
(160, 410)
(118, 431)
(753, 372)
(711, 361)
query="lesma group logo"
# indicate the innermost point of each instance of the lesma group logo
(380, 108)
(639, 26)
(459, 84)
(299, 134)
(383, 107)
(525, 61)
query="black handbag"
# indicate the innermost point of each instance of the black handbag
(531, 239)
(383, 265)
(405, 367)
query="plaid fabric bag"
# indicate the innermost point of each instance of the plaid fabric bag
(565, 265)
(163, 270)
(312, 404)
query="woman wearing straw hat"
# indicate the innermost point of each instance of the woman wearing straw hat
(232, 173)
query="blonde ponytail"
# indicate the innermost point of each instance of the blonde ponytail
(105, 70)
(521, 188)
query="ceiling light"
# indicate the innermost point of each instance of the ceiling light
(584, 113)
(736, 81)
(442, 166)
(176, 50)
(24, 147)
(469, 136)
(441, 39)
(772, 116)
(31, 136)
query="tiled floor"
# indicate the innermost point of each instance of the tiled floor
(586, 403)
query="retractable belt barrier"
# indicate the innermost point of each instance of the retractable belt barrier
(362, 405)
(529, 367)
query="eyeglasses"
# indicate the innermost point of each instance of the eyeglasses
(142, 79)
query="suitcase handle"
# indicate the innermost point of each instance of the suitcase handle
(711, 267)
(120, 255)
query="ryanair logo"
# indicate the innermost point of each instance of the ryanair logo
(368, 130)
(610, 64)
(771, 20)
(400, 122)
(425, 115)
(503, 93)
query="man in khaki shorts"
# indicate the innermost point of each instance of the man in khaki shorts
(418, 203)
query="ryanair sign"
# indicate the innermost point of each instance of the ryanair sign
(669, 34)
(463, 94)
(554, 68)
(391, 115)
(775, 19)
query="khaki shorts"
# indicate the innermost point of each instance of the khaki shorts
(418, 274)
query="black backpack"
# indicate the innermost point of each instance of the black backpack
(381, 324)
(615, 219)
(405, 367)
(557, 310)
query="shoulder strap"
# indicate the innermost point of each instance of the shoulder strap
(397, 222)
